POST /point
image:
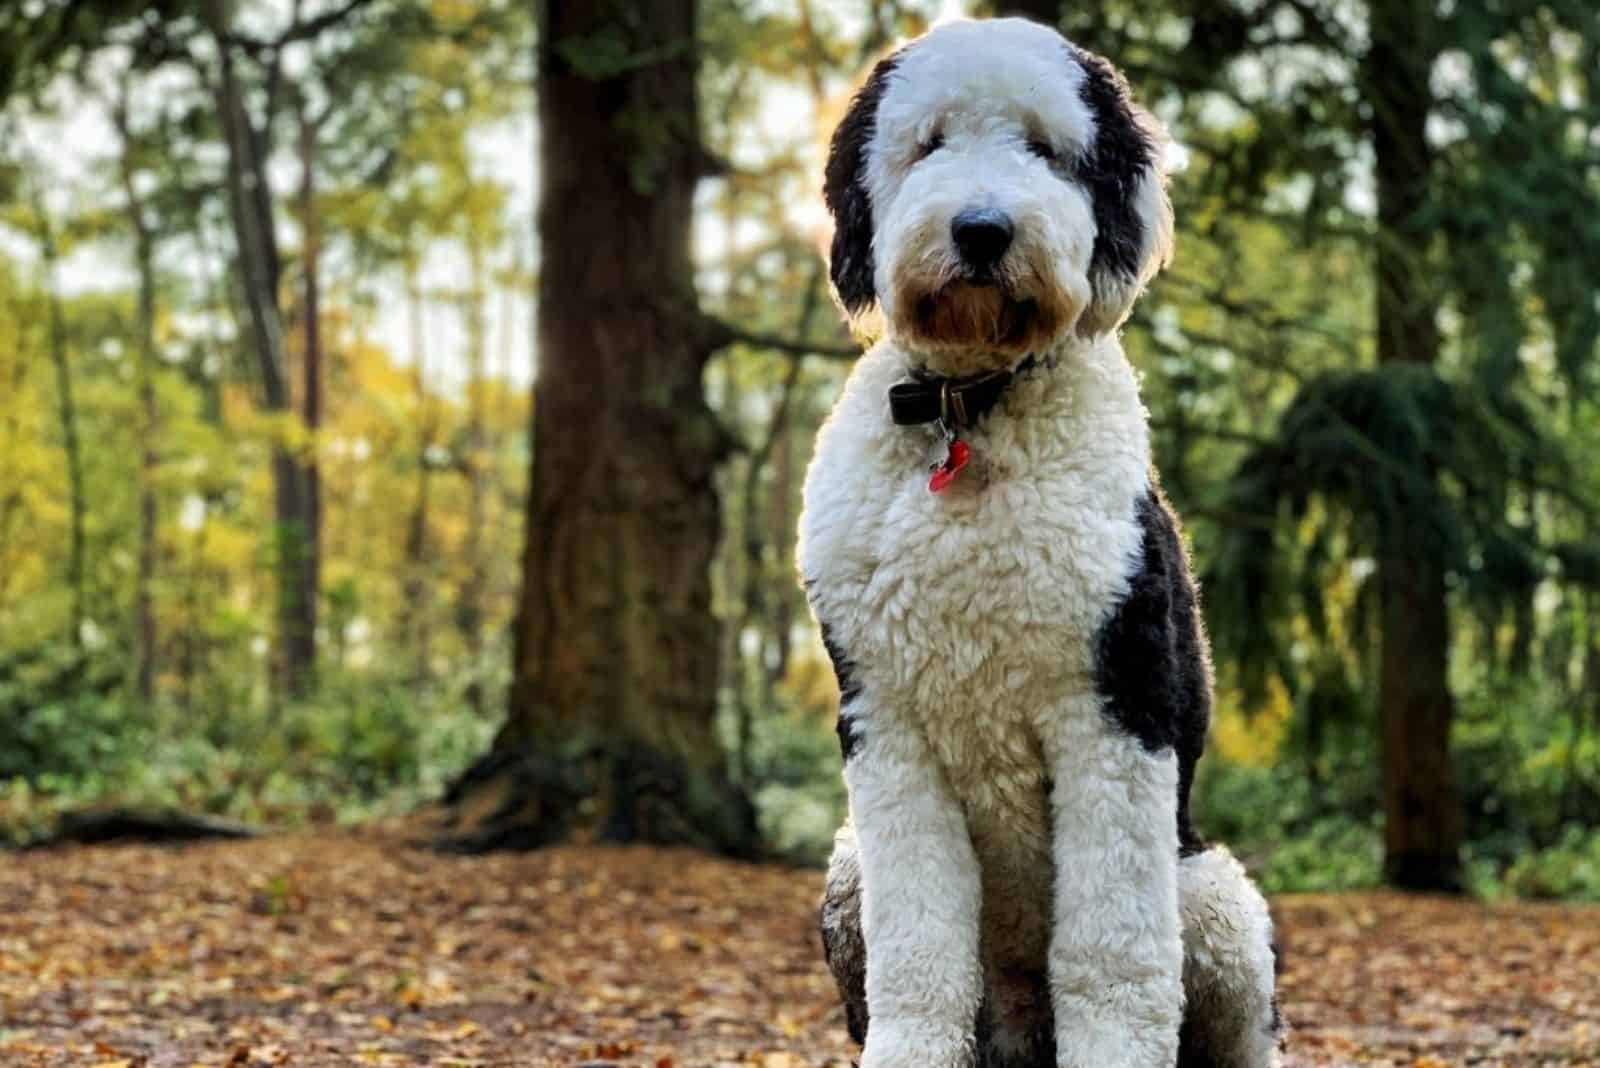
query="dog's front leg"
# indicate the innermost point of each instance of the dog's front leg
(920, 898)
(1116, 949)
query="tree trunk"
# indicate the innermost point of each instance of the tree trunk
(67, 406)
(1422, 817)
(610, 728)
(144, 618)
(251, 212)
(469, 609)
(308, 578)
(417, 585)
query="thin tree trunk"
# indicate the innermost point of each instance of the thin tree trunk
(614, 676)
(251, 211)
(1422, 817)
(780, 622)
(309, 576)
(756, 611)
(144, 625)
(469, 609)
(756, 584)
(417, 586)
(68, 409)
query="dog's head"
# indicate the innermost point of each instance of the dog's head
(993, 189)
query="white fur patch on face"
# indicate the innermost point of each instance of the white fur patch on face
(982, 115)
(1004, 81)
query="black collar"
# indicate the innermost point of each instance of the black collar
(957, 403)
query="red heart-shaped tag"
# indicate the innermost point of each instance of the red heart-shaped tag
(946, 472)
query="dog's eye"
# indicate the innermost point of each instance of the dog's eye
(1043, 150)
(929, 147)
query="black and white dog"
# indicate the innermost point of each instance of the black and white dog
(1025, 682)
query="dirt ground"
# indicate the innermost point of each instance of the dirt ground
(337, 950)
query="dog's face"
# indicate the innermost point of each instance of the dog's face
(993, 188)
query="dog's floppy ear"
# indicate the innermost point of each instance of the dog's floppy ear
(844, 189)
(1124, 176)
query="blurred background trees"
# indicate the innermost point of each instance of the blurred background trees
(287, 532)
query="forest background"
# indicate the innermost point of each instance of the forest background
(405, 402)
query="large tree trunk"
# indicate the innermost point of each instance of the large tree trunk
(1422, 817)
(610, 729)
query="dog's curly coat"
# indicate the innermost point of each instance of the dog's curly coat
(1024, 677)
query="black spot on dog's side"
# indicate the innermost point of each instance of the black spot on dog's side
(1152, 665)
(844, 669)
(849, 736)
(845, 192)
(1111, 167)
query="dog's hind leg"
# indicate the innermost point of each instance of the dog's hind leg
(1230, 1017)
(842, 943)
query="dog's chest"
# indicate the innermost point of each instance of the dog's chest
(970, 613)
(983, 603)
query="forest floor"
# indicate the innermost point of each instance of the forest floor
(337, 950)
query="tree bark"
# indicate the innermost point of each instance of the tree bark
(68, 409)
(417, 585)
(469, 609)
(1422, 817)
(610, 727)
(144, 618)
(260, 270)
(308, 577)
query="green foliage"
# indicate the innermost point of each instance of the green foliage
(799, 793)
(1529, 768)
(1530, 781)
(1570, 869)
(61, 716)
(1359, 453)
(1294, 834)
(357, 750)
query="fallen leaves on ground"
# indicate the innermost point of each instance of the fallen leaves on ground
(329, 950)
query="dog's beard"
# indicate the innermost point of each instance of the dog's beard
(971, 315)
(976, 326)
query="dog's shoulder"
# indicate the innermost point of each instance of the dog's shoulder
(858, 456)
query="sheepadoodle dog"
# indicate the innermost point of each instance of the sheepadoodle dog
(1025, 682)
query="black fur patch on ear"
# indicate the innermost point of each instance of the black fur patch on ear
(845, 191)
(1111, 169)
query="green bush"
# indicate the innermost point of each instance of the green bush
(794, 780)
(1294, 834)
(1331, 854)
(357, 748)
(62, 716)
(1570, 869)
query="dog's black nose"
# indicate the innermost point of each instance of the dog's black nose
(982, 236)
